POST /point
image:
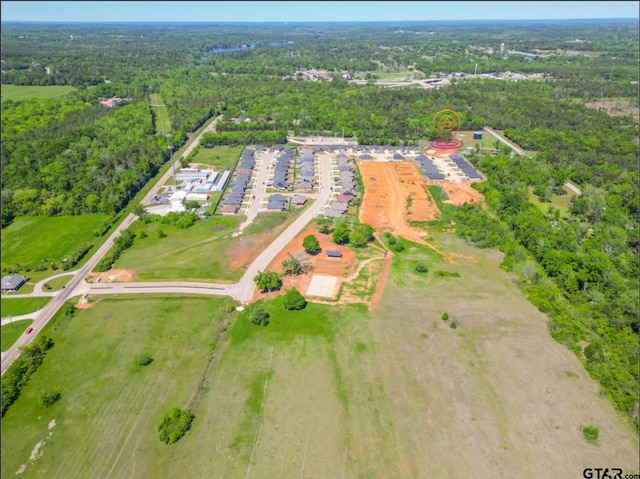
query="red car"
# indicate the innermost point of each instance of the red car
(28, 331)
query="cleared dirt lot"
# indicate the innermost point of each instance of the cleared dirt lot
(340, 268)
(461, 193)
(387, 189)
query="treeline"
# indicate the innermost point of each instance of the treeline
(83, 55)
(582, 271)
(240, 138)
(403, 117)
(19, 373)
(90, 161)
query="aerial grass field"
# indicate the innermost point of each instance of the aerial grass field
(12, 331)
(20, 92)
(329, 391)
(18, 306)
(206, 250)
(107, 416)
(221, 157)
(31, 239)
(163, 124)
(561, 203)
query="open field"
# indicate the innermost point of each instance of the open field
(106, 421)
(561, 203)
(18, 306)
(20, 92)
(163, 124)
(221, 157)
(329, 391)
(205, 251)
(12, 331)
(617, 107)
(30, 239)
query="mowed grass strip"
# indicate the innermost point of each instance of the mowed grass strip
(12, 331)
(20, 92)
(18, 306)
(221, 157)
(106, 420)
(163, 123)
(30, 239)
(203, 251)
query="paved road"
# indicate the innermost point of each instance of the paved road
(177, 164)
(263, 161)
(50, 309)
(514, 147)
(520, 151)
(75, 286)
(246, 284)
(241, 291)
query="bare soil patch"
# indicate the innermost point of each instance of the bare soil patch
(84, 305)
(114, 276)
(387, 189)
(320, 264)
(461, 193)
(616, 107)
(246, 249)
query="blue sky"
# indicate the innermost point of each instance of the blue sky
(309, 11)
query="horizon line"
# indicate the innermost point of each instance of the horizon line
(323, 21)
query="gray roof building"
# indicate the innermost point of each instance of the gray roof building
(13, 282)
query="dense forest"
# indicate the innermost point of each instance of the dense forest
(73, 156)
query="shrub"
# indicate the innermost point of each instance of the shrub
(161, 234)
(389, 238)
(174, 425)
(358, 239)
(590, 433)
(453, 325)
(444, 274)
(398, 247)
(421, 268)
(293, 300)
(445, 316)
(49, 398)
(311, 244)
(143, 359)
(340, 235)
(258, 315)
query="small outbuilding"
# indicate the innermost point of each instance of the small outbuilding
(333, 254)
(477, 135)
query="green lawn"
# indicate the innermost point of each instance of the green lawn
(221, 157)
(163, 124)
(110, 405)
(19, 92)
(18, 306)
(12, 331)
(57, 283)
(561, 203)
(30, 239)
(323, 392)
(205, 251)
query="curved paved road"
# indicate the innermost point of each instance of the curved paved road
(241, 291)
(75, 286)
